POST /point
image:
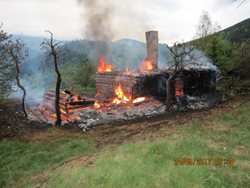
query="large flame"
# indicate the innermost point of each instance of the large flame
(103, 66)
(120, 97)
(146, 65)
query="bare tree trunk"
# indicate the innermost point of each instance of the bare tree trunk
(20, 86)
(58, 84)
(51, 47)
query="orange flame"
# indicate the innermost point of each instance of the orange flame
(139, 99)
(146, 65)
(97, 105)
(103, 66)
(120, 97)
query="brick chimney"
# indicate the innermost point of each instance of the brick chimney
(152, 48)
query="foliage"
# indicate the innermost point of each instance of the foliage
(6, 66)
(219, 51)
(78, 73)
(239, 32)
(241, 59)
(22, 159)
(12, 54)
(85, 75)
(229, 50)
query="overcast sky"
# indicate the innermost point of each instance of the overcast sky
(176, 20)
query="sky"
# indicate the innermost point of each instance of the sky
(176, 20)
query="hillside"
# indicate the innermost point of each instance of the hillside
(238, 32)
(122, 53)
(32, 43)
(34, 52)
(235, 34)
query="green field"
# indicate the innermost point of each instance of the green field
(139, 163)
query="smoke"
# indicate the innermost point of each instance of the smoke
(98, 18)
(35, 85)
(203, 61)
(105, 21)
(195, 60)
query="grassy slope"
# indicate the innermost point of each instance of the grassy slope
(20, 159)
(152, 164)
(136, 164)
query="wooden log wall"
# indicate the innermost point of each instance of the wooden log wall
(143, 85)
(49, 101)
(66, 107)
(105, 86)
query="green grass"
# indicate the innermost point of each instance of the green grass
(145, 164)
(19, 159)
(152, 164)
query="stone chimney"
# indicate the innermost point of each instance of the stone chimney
(152, 48)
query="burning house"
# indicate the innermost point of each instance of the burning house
(150, 81)
(127, 95)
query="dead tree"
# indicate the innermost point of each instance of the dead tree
(17, 55)
(181, 58)
(12, 54)
(51, 47)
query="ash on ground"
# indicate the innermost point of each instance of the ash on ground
(118, 113)
(112, 114)
(109, 113)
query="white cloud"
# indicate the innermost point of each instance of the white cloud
(174, 19)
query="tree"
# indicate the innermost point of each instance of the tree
(6, 66)
(181, 57)
(219, 51)
(17, 55)
(85, 74)
(205, 26)
(213, 44)
(51, 47)
(12, 54)
(241, 60)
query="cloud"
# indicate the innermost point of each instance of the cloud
(175, 20)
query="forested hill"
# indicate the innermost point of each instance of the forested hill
(229, 49)
(235, 34)
(238, 32)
